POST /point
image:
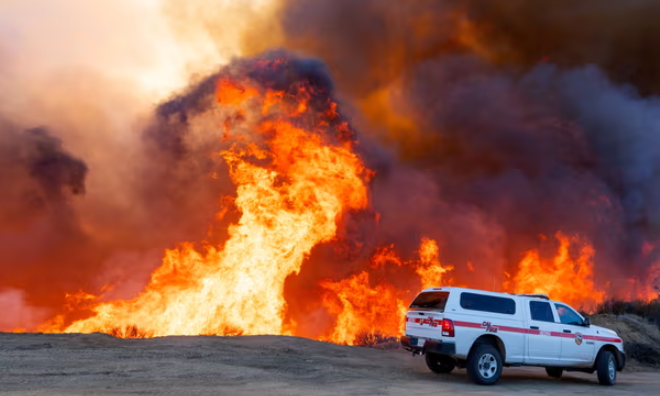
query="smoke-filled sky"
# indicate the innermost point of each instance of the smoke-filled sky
(79, 83)
(488, 123)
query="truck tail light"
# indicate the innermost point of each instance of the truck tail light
(447, 328)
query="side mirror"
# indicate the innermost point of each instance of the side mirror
(587, 322)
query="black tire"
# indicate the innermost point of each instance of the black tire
(554, 372)
(484, 365)
(606, 368)
(440, 364)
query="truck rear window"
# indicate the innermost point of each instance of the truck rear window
(431, 300)
(482, 302)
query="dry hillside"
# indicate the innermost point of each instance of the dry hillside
(641, 338)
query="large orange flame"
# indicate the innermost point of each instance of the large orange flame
(564, 278)
(430, 270)
(363, 310)
(296, 175)
(293, 184)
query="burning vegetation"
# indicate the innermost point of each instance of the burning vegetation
(315, 195)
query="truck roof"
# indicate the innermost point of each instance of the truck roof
(450, 288)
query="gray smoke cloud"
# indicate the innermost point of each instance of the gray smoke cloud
(43, 247)
(86, 198)
(49, 174)
(541, 117)
(617, 36)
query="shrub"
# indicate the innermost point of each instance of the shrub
(373, 339)
(129, 331)
(649, 310)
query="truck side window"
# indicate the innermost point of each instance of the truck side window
(485, 303)
(541, 311)
(568, 316)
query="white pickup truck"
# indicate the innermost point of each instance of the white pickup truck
(484, 331)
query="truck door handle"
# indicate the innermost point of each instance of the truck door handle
(567, 331)
(534, 327)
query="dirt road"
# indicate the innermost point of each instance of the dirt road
(33, 364)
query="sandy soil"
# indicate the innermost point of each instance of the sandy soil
(34, 364)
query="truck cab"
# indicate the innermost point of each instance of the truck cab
(484, 331)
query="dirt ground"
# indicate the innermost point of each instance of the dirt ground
(35, 364)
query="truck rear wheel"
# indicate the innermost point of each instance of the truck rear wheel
(484, 365)
(554, 372)
(606, 368)
(440, 364)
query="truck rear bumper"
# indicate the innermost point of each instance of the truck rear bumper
(430, 346)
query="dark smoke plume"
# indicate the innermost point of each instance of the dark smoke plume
(55, 170)
(619, 37)
(90, 202)
(532, 117)
(38, 169)
(367, 43)
(38, 179)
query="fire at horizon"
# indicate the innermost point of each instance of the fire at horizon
(294, 165)
(317, 181)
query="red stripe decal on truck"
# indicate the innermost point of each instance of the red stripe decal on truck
(468, 324)
(513, 329)
(495, 328)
